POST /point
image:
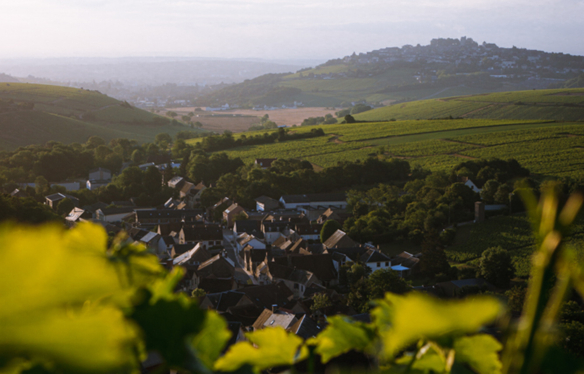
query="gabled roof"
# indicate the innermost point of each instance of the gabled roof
(268, 295)
(113, 211)
(149, 237)
(201, 232)
(271, 319)
(290, 274)
(224, 300)
(297, 246)
(18, 193)
(186, 187)
(77, 214)
(60, 196)
(95, 206)
(320, 265)
(354, 253)
(266, 200)
(196, 254)
(373, 255)
(305, 327)
(244, 238)
(247, 226)
(340, 239)
(214, 285)
(176, 179)
(137, 233)
(234, 208)
(179, 249)
(216, 267)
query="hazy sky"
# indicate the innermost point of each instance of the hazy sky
(277, 29)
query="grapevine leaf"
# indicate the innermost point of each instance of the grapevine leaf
(65, 338)
(479, 352)
(427, 360)
(212, 339)
(51, 285)
(266, 348)
(33, 263)
(341, 336)
(402, 320)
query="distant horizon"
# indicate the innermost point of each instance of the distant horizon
(280, 30)
(284, 61)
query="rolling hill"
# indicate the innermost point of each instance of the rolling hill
(541, 133)
(35, 114)
(557, 104)
(444, 68)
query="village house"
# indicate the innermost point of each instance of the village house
(191, 193)
(54, 199)
(114, 214)
(340, 239)
(298, 280)
(78, 215)
(176, 182)
(245, 239)
(230, 213)
(98, 177)
(217, 267)
(266, 204)
(320, 265)
(248, 226)
(160, 216)
(338, 200)
(264, 163)
(209, 235)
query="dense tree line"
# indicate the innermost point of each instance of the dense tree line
(227, 141)
(25, 210)
(298, 177)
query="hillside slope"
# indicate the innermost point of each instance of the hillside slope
(547, 148)
(33, 114)
(445, 67)
(558, 104)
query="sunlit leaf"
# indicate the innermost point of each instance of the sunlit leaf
(480, 352)
(46, 266)
(94, 340)
(341, 336)
(428, 360)
(212, 339)
(402, 320)
(266, 348)
(51, 284)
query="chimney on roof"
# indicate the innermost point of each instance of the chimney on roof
(274, 308)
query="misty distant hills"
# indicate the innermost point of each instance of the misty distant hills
(4, 78)
(145, 71)
(444, 68)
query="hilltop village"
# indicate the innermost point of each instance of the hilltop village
(464, 56)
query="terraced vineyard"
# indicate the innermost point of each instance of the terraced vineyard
(34, 113)
(560, 104)
(546, 148)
